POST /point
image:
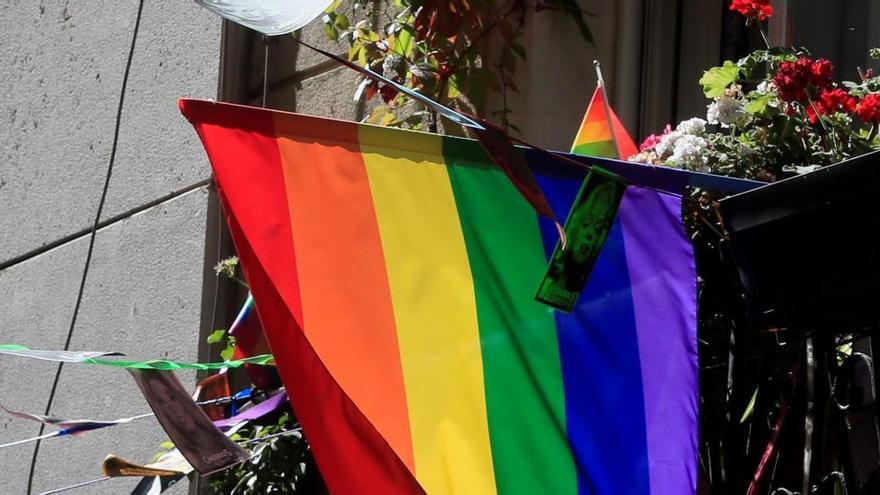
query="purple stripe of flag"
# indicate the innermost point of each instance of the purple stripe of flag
(662, 272)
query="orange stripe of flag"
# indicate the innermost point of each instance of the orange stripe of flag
(349, 322)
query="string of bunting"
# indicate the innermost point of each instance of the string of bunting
(151, 480)
(172, 465)
(155, 364)
(76, 427)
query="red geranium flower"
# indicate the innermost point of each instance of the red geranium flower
(869, 109)
(753, 9)
(831, 101)
(792, 78)
(821, 72)
(837, 100)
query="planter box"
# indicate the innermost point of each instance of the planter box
(808, 248)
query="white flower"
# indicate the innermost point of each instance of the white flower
(725, 111)
(695, 126)
(689, 153)
(648, 157)
(765, 87)
(667, 144)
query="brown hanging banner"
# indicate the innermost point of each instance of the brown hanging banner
(500, 149)
(206, 448)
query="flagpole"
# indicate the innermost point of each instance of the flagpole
(265, 70)
(601, 83)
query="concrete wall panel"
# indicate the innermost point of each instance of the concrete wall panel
(176, 56)
(62, 70)
(142, 298)
(329, 95)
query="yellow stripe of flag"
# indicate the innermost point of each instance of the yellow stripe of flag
(435, 310)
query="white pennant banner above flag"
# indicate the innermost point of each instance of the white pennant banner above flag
(270, 17)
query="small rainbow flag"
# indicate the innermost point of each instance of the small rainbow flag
(250, 341)
(601, 132)
(394, 273)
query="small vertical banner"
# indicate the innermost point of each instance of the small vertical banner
(206, 448)
(586, 229)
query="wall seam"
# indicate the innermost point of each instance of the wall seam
(33, 253)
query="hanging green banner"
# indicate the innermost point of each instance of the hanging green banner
(586, 229)
(156, 364)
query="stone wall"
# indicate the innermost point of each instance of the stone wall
(62, 68)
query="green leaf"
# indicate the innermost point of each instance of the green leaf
(377, 115)
(452, 91)
(226, 354)
(330, 29)
(331, 32)
(403, 43)
(749, 408)
(362, 57)
(166, 445)
(216, 336)
(388, 119)
(717, 79)
(354, 51)
(518, 50)
(759, 104)
(342, 21)
(750, 63)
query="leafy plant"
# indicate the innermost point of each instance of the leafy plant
(279, 464)
(228, 341)
(229, 268)
(456, 52)
(793, 119)
(775, 113)
(772, 114)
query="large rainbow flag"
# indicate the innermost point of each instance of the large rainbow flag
(395, 273)
(602, 133)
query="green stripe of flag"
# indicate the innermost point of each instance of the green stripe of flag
(521, 366)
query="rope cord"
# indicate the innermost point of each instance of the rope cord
(92, 235)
